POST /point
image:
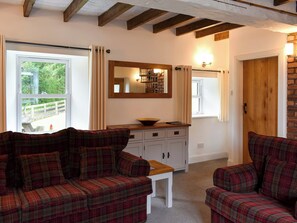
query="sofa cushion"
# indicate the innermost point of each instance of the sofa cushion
(102, 191)
(41, 170)
(248, 207)
(97, 162)
(51, 202)
(10, 207)
(280, 148)
(280, 180)
(117, 139)
(43, 143)
(3, 164)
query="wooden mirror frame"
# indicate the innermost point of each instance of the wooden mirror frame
(114, 63)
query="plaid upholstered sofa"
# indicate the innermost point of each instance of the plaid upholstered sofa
(262, 191)
(71, 176)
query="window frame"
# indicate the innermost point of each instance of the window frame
(199, 96)
(21, 96)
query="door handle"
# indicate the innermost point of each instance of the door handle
(245, 108)
(168, 155)
(163, 156)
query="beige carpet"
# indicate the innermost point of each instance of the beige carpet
(188, 195)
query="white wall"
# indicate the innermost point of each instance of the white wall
(250, 43)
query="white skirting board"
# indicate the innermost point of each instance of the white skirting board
(207, 157)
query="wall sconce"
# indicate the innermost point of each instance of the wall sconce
(289, 49)
(204, 64)
(204, 59)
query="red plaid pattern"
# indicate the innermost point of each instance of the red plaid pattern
(133, 166)
(41, 170)
(42, 143)
(117, 139)
(239, 178)
(48, 203)
(217, 218)
(97, 162)
(6, 147)
(247, 207)
(80, 217)
(280, 180)
(280, 148)
(3, 163)
(10, 207)
(126, 211)
(102, 191)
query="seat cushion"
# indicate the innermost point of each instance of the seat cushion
(248, 207)
(97, 162)
(105, 190)
(51, 202)
(10, 207)
(280, 180)
(41, 170)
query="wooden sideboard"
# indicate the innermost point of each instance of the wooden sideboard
(166, 143)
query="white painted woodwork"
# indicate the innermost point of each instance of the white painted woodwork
(166, 145)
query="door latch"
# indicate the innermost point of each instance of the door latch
(245, 108)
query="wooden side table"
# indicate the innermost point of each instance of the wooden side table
(160, 171)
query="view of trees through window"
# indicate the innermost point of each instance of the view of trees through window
(43, 94)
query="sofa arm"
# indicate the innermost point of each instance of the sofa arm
(132, 166)
(238, 178)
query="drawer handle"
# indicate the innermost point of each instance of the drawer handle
(132, 136)
(176, 132)
(155, 134)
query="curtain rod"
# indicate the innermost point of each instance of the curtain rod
(203, 70)
(52, 45)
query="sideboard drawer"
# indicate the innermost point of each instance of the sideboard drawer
(176, 132)
(154, 134)
(135, 135)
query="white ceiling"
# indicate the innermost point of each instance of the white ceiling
(222, 10)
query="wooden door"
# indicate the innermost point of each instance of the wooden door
(260, 84)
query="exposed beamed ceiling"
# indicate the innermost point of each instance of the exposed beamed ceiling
(202, 17)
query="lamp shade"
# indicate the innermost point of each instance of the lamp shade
(289, 49)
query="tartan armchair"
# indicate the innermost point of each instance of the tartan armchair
(262, 191)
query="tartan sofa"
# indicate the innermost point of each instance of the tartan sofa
(41, 178)
(262, 191)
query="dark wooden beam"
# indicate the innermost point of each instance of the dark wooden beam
(216, 29)
(194, 26)
(27, 7)
(279, 2)
(73, 8)
(144, 17)
(168, 23)
(115, 11)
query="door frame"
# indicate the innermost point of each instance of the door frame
(236, 123)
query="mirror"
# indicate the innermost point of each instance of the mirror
(139, 80)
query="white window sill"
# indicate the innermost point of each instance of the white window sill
(204, 116)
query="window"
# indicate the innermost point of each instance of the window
(197, 96)
(205, 96)
(43, 98)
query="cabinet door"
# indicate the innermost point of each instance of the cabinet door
(176, 153)
(135, 148)
(155, 150)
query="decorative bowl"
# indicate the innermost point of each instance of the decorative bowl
(148, 121)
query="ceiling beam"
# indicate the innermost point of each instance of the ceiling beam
(168, 23)
(216, 29)
(144, 17)
(279, 2)
(27, 7)
(73, 8)
(194, 26)
(115, 11)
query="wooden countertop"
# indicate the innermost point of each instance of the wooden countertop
(142, 127)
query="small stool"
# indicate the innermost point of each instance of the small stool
(160, 171)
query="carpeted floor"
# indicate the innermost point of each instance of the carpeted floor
(188, 195)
